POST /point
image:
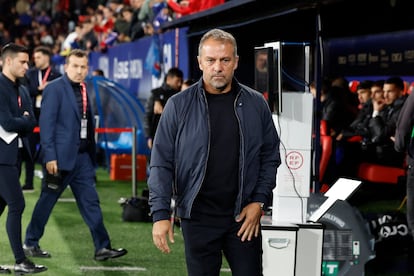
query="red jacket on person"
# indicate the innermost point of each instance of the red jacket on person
(193, 6)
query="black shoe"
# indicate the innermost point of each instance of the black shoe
(4, 270)
(35, 251)
(28, 267)
(105, 253)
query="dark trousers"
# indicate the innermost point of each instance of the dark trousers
(29, 160)
(410, 196)
(82, 182)
(207, 238)
(25, 158)
(11, 195)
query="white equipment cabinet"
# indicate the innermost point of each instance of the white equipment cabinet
(292, 249)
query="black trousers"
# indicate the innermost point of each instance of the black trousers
(11, 195)
(207, 238)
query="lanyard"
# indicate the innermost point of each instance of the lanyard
(19, 101)
(84, 98)
(44, 79)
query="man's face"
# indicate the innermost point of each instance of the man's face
(41, 60)
(377, 93)
(364, 95)
(218, 62)
(18, 65)
(77, 68)
(175, 82)
(391, 93)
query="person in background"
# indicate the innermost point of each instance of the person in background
(364, 92)
(187, 83)
(16, 116)
(350, 137)
(123, 24)
(368, 91)
(98, 72)
(207, 155)
(157, 100)
(68, 151)
(332, 111)
(378, 145)
(138, 27)
(37, 78)
(186, 7)
(403, 142)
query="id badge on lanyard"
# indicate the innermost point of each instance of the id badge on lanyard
(84, 128)
(84, 120)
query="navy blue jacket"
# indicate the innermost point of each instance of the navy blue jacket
(32, 79)
(181, 148)
(12, 119)
(60, 122)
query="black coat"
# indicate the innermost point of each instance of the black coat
(161, 94)
(14, 102)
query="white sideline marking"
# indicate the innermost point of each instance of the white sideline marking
(114, 268)
(118, 268)
(66, 200)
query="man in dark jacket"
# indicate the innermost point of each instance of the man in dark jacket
(378, 144)
(67, 131)
(37, 78)
(16, 120)
(216, 151)
(404, 143)
(158, 99)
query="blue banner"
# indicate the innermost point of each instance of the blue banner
(125, 63)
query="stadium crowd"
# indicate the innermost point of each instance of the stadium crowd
(89, 25)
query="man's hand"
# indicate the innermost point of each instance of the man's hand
(378, 105)
(158, 107)
(52, 167)
(42, 86)
(149, 143)
(160, 229)
(250, 215)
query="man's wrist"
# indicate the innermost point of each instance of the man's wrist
(261, 204)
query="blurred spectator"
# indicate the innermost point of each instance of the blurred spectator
(122, 24)
(70, 41)
(351, 136)
(45, 38)
(162, 14)
(333, 112)
(138, 27)
(364, 92)
(43, 18)
(349, 99)
(88, 40)
(378, 145)
(43, 5)
(104, 28)
(116, 6)
(22, 6)
(187, 83)
(98, 72)
(186, 7)
(4, 34)
(333, 108)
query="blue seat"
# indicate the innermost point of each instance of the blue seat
(124, 144)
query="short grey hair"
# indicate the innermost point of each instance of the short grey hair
(220, 35)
